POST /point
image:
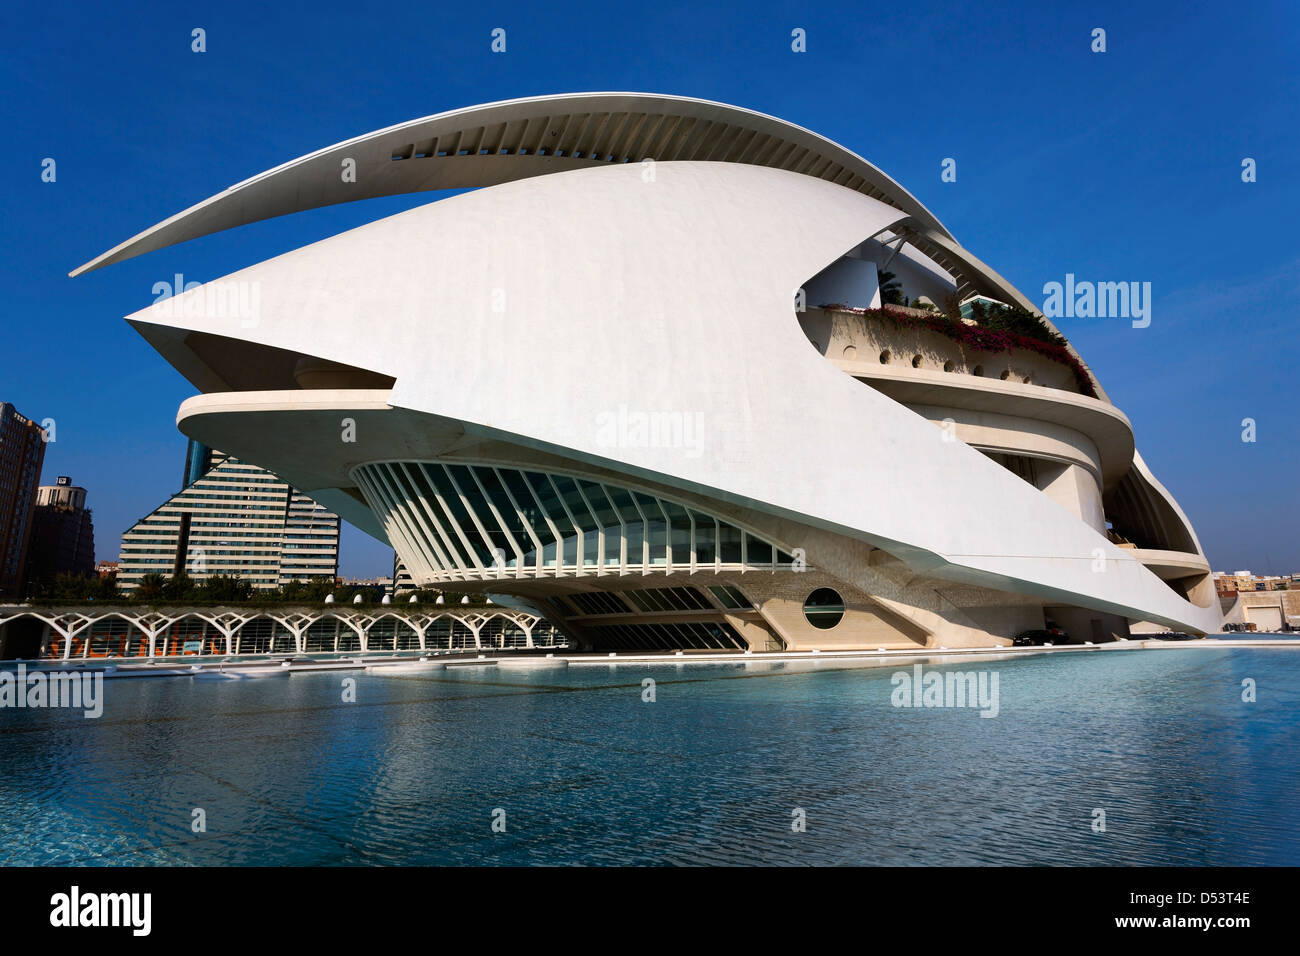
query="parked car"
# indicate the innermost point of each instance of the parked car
(1040, 636)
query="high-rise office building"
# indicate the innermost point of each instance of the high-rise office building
(232, 518)
(402, 580)
(22, 452)
(63, 534)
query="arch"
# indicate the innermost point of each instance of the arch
(227, 631)
(264, 632)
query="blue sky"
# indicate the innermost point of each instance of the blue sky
(1124, 165)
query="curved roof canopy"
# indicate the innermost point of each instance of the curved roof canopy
(515, 139)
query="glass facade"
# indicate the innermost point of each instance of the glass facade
(702, 636)
(453, 522)
(233, 519)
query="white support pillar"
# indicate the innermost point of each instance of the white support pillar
(361, 634)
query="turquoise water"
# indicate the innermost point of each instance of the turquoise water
(709, 773)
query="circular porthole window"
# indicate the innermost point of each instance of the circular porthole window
(824, 608)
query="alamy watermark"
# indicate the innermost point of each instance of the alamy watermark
(75, 909)
(919, 688)
(221, 299)
(1101, 300)
(78, 690)
(633, 428)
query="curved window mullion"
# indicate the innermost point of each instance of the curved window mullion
(437, 536)
(440, 484)
(543, 491)
(621, 561)
(580, 568)
(500, 518)
(523, 519)
(645, 533)
(490, 568)
(395, 521)
(589, 495)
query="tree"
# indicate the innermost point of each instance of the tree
(950, 305)
(891, 292)
(226, 589)
(180, 587)
(151, 587)
(75, 588)
(1011, 319)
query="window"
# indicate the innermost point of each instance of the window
(824, 608)
(730, 597)
(597, 602)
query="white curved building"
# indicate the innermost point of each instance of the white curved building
(587, 386)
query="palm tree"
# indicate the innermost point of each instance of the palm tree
(891, 293)
(151, 587)
(179, 587)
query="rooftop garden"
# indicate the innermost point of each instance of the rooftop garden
(990, 328)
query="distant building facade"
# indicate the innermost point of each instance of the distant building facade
(232, 518)
(1243, 581)
(63, 534)
(22, 452)
(402, 580)
(1274, 610)
(376, 582)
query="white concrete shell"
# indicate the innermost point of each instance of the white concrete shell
(516, 139)
(523, 318)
